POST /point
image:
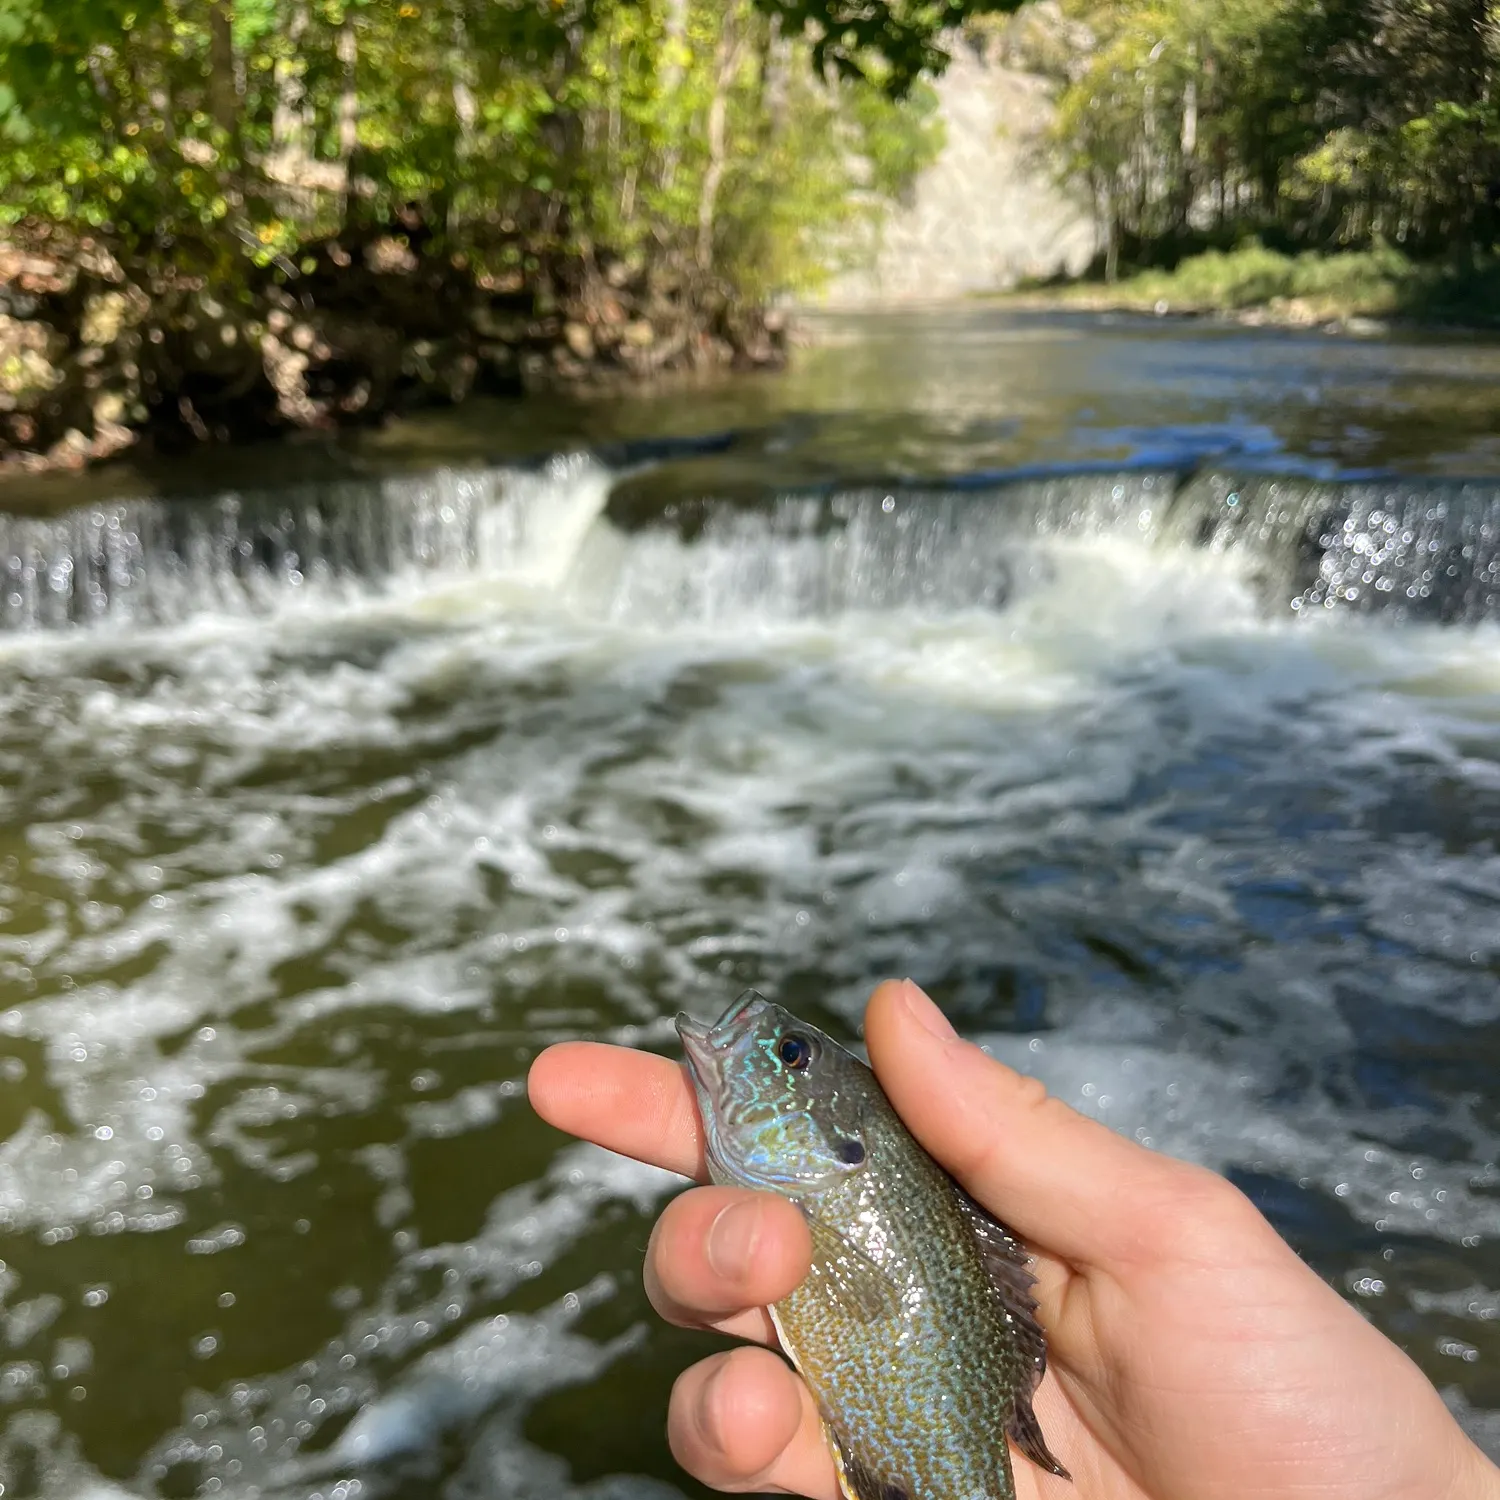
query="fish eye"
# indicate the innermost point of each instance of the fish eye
(851, 1152)
(794, 1050)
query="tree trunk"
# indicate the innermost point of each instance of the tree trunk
(465, 117)
(676, 38)
(1188, 144)
(223, 92)
(671, 80)
(290, 135)
(288, 140)
(1111, 236)
(726, 64)
(348, 117)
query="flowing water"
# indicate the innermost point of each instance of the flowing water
(1134, 688)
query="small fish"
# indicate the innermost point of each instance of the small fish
(916, 1330)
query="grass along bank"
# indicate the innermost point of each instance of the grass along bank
(1256, 284)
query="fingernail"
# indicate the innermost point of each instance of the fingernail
(732, 1238)
(921, 1009)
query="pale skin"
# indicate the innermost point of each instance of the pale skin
(1192, 1355)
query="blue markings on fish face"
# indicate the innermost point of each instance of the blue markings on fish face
(774, 1094)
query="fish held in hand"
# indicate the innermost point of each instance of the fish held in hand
(916, 1330)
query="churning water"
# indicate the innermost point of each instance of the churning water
(1175, 777)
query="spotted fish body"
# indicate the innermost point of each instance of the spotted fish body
(915, 1330)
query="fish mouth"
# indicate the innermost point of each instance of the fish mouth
(703, 1060)
(697, 1045)
(701, 1042)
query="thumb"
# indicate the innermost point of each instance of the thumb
(1062, 1182)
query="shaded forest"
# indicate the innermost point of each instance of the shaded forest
(1314, 124)
(225, 216)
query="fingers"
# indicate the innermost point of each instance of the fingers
(1063, 1182)
(718, 1256)
(744, 1421)
(632, 1102)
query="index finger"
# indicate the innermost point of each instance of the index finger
(632, 1102)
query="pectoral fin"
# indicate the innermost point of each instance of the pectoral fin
(849, 1278)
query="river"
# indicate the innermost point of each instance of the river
(1133, 685)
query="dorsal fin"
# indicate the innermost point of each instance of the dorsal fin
(1006, 1263)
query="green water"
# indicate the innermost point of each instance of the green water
(299, 868)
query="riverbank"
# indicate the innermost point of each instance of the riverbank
(98, 357)
(1356, 291)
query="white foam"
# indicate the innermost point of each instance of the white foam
(148, 564)
(1219, 1116)
(548, 798)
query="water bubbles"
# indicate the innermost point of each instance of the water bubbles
(95, 1296)
(229, 1236)
(1457, 1349)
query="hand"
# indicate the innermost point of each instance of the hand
(1192, 1355)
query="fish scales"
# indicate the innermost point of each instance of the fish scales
(915, 1330)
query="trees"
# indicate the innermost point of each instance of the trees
(208, 130)
(1317, 122)
(222, 216)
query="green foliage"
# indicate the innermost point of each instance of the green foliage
(1378, 282)
(219, 136)
(1323, 123)
(1362, 281)
(898, 39)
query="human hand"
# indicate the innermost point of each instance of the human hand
(1191, 1354)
